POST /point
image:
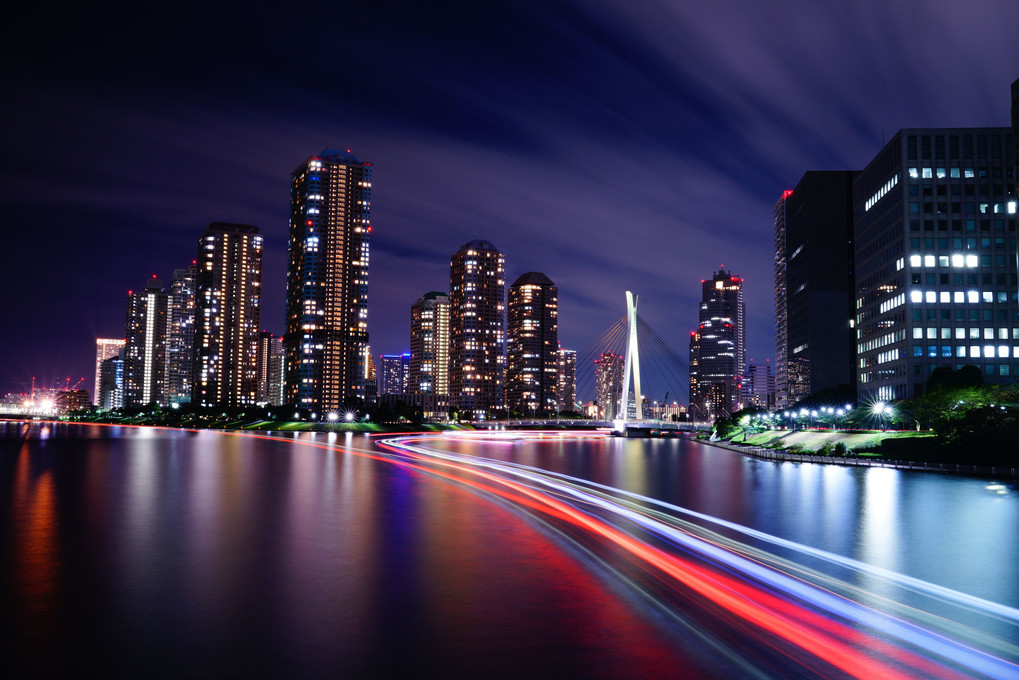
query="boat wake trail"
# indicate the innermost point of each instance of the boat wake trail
(758, 595)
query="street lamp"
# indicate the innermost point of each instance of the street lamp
(881, 410)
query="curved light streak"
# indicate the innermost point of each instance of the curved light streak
(913, 635)
(771, 601)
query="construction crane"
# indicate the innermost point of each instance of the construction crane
(69, 387)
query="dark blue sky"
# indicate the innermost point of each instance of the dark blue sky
(611, 145)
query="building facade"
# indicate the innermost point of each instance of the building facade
(228, 303)
(696, 400)
(477, 329)
(326, 336)
(269, 364)
(532, 352)
(935, 258)
(608, 384)
(818, 318)
(180, 334)
(393, 373)
(760, 386)
(429, 345)
(1015, 137)
(111, 385)
(145, 346)
(106, 348)
(567, 379)
(71, 400)
(720, 347)
(781, 330)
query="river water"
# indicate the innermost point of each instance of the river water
(146, 552)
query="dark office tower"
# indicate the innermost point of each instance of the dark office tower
(567, 379)
(228, 296)
(721, 347)
(392, 373)
(477, 329)
(145, 346)
(327, 282)
(277, 366)
(429, 345)
(760, 385)
(1015, 136)
(269, 368)
(106, 348)
(935, 224)
(781, 329)
(819, 278)
(532, 345)
(608, 384)
(696, 401)
(111, 382)
(180, 334)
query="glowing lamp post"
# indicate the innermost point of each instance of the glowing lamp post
(882, 411)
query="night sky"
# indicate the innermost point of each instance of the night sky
(610, 145)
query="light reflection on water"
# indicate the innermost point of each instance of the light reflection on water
(951, 531)
(225, 555)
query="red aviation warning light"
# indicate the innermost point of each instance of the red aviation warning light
(787, 193)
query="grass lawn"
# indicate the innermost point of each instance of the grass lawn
(812, 440)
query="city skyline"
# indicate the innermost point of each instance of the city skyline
(357, 286)
(533, 141)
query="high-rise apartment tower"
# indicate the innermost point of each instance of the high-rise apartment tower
(228, 295)
(477, 288)
(145, 345)
(180, 334)
(429, 345)
(608, 384)
(327, 282)
(532, 353)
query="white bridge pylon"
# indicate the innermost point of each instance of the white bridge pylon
(632, 362)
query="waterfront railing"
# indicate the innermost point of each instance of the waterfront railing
(856, 461)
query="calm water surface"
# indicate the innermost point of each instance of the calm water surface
(161, 553)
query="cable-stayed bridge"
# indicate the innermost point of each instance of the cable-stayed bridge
(626, 377)
(630, 373)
